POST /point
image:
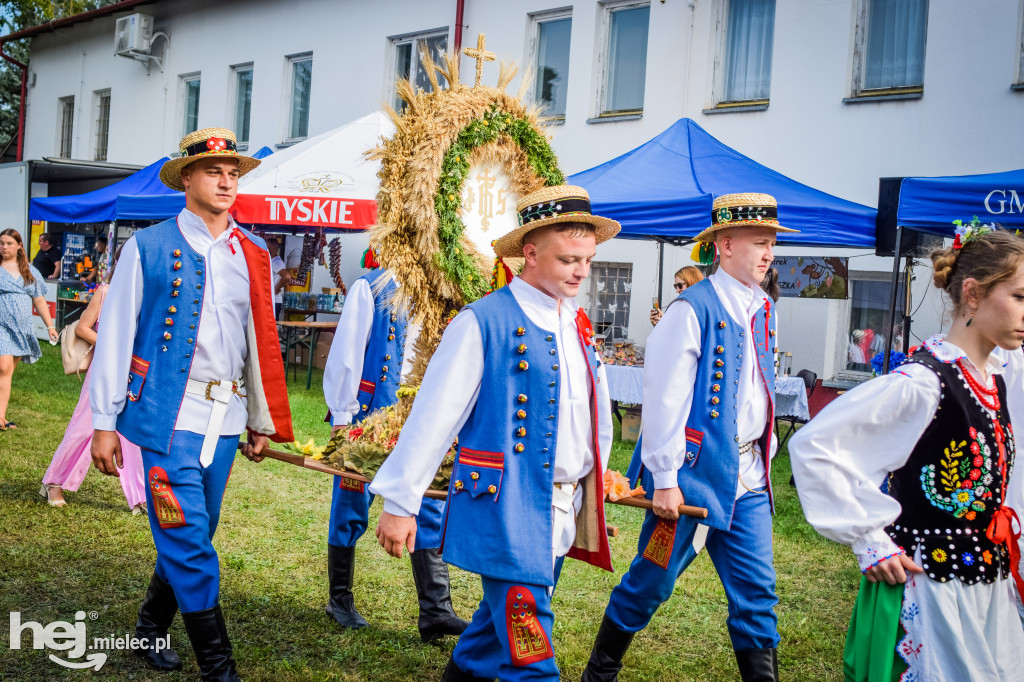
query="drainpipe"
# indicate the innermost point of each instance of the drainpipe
(21, 103)
(689, 59)
(460, 9)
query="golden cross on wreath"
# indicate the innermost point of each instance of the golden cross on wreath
(480, 55)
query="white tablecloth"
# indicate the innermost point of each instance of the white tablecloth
(791, 398)
(625, 383)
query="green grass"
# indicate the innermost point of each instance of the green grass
(94, 556)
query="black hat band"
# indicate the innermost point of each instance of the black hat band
(566, 206)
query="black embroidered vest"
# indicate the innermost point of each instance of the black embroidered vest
(951, 486)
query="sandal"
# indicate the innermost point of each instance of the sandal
(44, 492)
(9, 426)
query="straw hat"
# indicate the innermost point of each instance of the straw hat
(746, 209)
(550, 205)
(200, 145)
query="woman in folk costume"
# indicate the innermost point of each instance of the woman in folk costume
(937, 598)
(517, 380)
(187, 359)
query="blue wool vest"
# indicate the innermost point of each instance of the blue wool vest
(174, 288)
(385, 351)
(499, 519)
(708, 476)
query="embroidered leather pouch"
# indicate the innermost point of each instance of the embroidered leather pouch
(693, 440)
(136, 377)
(478, 472)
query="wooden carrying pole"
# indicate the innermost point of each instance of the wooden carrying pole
(309, 463)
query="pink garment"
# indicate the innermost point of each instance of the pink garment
(71, 461)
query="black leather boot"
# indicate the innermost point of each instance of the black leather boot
(609, 649)
(433, 588)
(155, 616)
(209, 637)
(453, 673)
(340, 570)
(758, 665)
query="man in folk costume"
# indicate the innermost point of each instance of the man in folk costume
(188, 327)
(372, 350)
(517, 380)
(709, 390)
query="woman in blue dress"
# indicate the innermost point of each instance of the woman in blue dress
(21, 287)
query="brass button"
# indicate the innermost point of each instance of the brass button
(555, 366)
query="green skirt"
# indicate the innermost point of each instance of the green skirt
(874, 633)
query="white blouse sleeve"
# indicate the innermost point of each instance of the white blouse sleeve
(842, 456)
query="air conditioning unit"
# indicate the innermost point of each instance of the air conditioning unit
(133, 35)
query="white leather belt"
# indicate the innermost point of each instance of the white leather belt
(564, 496)
(219, 393)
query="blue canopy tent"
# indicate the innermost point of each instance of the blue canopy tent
(98, 206)
(664, 189)
(932, 204)
(140, 196)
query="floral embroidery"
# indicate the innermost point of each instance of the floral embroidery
(959, 484)
(910, 612)
(967, 559)
(939, 555)
(987, 556)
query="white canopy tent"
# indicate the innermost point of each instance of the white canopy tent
(325, 181)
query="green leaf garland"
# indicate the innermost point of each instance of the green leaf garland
(453, 258)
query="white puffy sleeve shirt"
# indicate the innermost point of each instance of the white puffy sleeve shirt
(842, 456)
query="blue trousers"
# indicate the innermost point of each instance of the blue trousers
(183, 501)
(509, 637)
(742, 556)
(350, 515)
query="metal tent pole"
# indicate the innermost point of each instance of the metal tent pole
(892, 297)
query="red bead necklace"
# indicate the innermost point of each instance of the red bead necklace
(989, 397)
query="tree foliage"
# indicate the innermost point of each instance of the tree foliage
(16, 15)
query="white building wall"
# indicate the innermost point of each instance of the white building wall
(967, 121)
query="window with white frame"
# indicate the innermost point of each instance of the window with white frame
(746, 59)
(190, 103)
(890, 53)
(865, 335)
(408, 58)
(101, 107)
(243, 103)
(550, 57)
(300, 68)
(625, 57)
(66, 113)
(610, 287)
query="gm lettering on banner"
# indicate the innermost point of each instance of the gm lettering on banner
(1007, 199)
(352, 214)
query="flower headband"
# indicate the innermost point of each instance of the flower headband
(969, 232)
